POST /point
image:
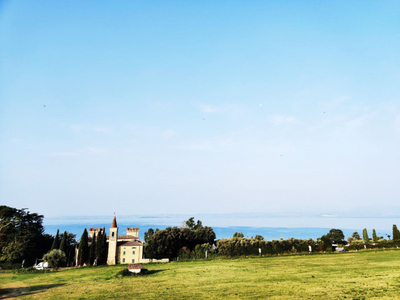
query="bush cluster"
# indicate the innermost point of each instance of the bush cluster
(250, 246)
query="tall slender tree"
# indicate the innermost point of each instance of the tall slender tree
(56, 242)
(365, 236)
(63, 244)
(101, 247)
(83, 249)
(92, 255)
(396, 233)
(374, 236)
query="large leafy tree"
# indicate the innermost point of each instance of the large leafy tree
(21, 235)
(335, 235)
(167, 242)
(356, 235)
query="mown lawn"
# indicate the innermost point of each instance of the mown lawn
(356, 275)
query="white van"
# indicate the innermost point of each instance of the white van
(42, 266)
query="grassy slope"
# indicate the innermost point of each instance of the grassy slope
(364, 274)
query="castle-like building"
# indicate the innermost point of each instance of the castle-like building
(122, 249)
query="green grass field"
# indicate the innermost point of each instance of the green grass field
(355, 275)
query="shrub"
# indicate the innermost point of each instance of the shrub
(55, 258)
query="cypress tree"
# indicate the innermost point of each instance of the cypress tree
(365, 236)
(101, 247)
(92, 255)
(98, 245)
(374, 236)
(55, 244)
(104, 247)
(396, 233)
(63, 244)
(83, 249)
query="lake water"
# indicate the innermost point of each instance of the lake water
(270, 227)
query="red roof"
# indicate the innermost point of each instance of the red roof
(130, 243)
(134, 266)
(114, 222)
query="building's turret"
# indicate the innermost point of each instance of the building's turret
(92, 231)
(112, 243)
(133, 231)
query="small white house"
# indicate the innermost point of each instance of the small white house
(135, 268)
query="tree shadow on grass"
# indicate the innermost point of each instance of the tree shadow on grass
(150, 272)
(29, 290)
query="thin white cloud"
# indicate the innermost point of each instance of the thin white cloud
(104, 130)
(63, 154)
(282, 119)
(195, 146)
(208, 108)
(96, 150)
(359, 121)
(97, 129)
(168, 133)
(76, 127)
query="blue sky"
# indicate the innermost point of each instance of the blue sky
(151, 107)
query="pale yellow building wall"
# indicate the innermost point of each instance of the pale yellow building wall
(126, 256)
(112, 246)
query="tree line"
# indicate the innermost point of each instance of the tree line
(93, 251)
(23, 241)
(168, 242)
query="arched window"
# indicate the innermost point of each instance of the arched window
(112, 234)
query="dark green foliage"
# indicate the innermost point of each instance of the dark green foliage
(325, 243)
(55, 258)
(336, 235)
(396, 233)
(63, 244)
(365, 236)
(374, 236)
(238, 235)
(56, 241)
(191, 224)
(30, 270)
(259, 237)
(250, 246)
(83, 251)
(356, 236)
(92, 253)
(101, 248)
(166, 243)
(21, 236)
(198, 252)
(68, 245)
(150, 244)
